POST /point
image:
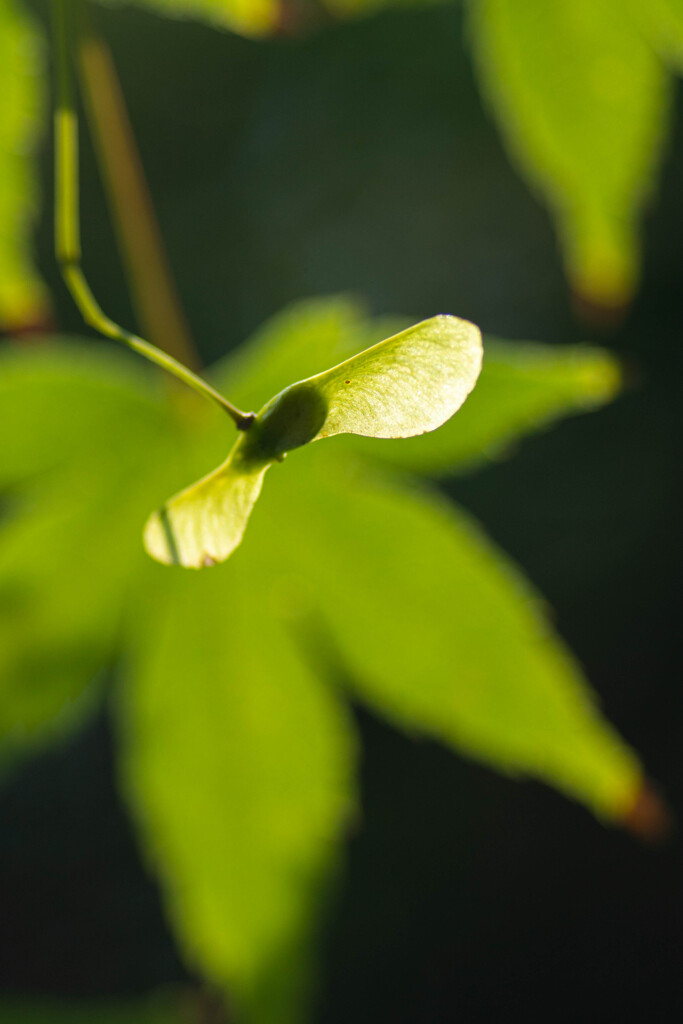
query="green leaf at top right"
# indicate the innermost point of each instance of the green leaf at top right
(582, 100)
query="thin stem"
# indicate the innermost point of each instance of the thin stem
(67, 230)
(140, 242)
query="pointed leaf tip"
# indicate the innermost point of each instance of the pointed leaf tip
(649, 818)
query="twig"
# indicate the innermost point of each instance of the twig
(67, 230)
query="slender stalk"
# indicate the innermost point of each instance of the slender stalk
(67, 229)
(149, 274)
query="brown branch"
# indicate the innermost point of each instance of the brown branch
(149, 274)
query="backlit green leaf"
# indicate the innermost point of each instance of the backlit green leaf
(237, 761)
(435, 628)
(84, 448)
(59, 398)
(22, 296)
(582, 101)
(67, 556)
(662, 21)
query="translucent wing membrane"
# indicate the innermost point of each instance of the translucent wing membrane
(205, 523)
(406, 385)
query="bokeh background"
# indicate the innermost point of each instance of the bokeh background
(358, 158)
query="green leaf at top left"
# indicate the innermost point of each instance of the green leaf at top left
(23, 298)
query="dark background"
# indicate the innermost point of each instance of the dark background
(359, 158)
